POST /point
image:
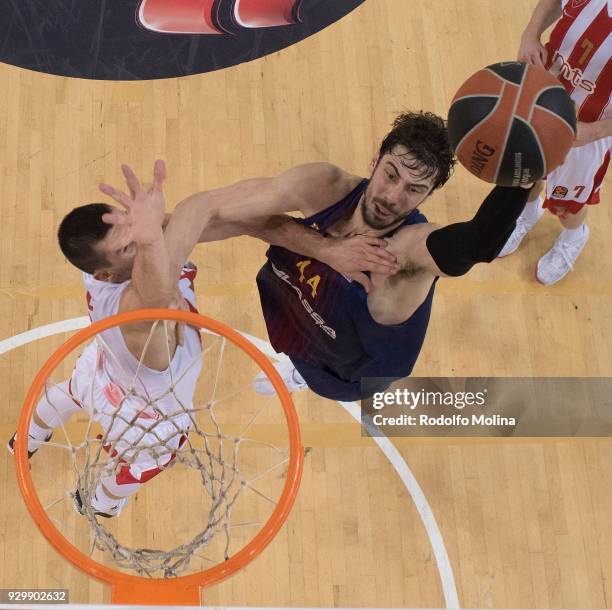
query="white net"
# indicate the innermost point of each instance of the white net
(225, 446)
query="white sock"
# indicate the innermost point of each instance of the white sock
(103, 502)
(533, 210)
(569, 235)
(37, 436)
(38, 433)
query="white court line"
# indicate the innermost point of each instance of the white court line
(400, 465)
(42, 331)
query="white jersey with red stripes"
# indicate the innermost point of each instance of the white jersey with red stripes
(580, 55)
(106, 372)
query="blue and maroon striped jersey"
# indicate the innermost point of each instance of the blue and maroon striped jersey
(320, 318)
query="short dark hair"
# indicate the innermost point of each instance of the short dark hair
(425, 136)
(78, 233)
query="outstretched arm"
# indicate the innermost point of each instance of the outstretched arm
(257, 206)
(152, 284)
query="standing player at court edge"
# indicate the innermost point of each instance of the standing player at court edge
(579, 54)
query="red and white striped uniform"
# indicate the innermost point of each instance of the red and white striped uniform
(579, 54)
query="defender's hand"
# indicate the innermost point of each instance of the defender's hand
(353, 255)
(144, 210)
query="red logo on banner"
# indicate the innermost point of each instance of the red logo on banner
(147, 39)
(200, 16)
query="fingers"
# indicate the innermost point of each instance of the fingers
(131, 180)
(539, 58)
(382, 253)
(535, 58)
(116, 218)
(362, 278)
(159, 175)
(542, 56)
(118, 196)
(382, 256)
(372, 241)
(377, 247)
(376, 266)
(374, 258)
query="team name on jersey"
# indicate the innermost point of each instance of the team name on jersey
(574, 75)
(318, 320)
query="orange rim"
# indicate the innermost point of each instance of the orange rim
(137, 585)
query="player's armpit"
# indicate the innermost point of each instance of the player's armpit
(409, 244)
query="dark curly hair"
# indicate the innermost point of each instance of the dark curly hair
(80, 231)
(425, 136)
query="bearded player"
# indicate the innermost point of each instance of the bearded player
(337, 324)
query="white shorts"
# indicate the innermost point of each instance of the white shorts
(147, 444)
(579, 179)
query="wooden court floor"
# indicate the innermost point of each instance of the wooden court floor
(525, 523)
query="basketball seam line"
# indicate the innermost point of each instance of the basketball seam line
(550, 88)
(537, 139)
(509, 128)
(505, 79)
(557, 117)
(563, 122)
(467, 97)
(459, 144)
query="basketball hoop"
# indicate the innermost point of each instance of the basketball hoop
(180, 590)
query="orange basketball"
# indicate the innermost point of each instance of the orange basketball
(511, 123)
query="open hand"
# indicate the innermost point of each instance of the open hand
(351, 256)
(144, 210)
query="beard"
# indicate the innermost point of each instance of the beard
(372, 219)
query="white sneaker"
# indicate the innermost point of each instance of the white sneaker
(289, 374)
(560, 259)
(523, 227)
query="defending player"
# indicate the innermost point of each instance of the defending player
(578, 53)
(126, 267)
